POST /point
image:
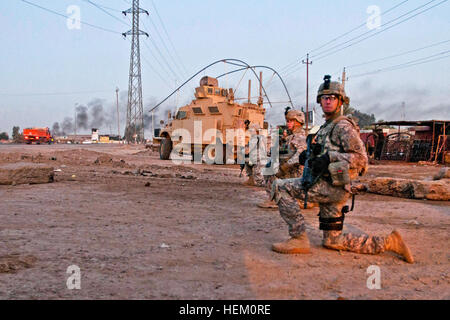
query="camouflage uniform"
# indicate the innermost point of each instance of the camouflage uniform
(345, 144)
(296, 143)
(253, 166)
(254, 170)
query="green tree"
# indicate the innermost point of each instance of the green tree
(16, 135)
(4, 136)
(364, 119)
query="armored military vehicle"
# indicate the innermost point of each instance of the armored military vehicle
(215, 108)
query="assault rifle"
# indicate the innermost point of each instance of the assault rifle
(309, 177)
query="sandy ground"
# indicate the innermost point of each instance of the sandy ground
(142, 228)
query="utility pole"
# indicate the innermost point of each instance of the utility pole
(118, 121)
(260, 99)
(153, 124)
(75, 133)
(135, 108)
(344, 78)
(249, 91)
(307, 62)
(403, 113)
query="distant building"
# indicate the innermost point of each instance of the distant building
(424, 140)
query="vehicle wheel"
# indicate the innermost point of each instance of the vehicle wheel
(165, 148)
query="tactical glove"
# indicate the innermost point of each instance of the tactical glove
(302, 158)
(316, 149)
(284, 167)
(320, 164)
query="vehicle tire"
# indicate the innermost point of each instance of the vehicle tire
(165, 148)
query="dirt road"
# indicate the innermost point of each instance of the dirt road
(139, 227)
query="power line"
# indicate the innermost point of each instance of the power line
(411, 63)
(154, 70)
(384, 24)
(106, 12)
(161, 77)
(292, 64)
(51, 93)
(396, 55)
(157, 73)
(326, 54)
(342, 35)
(348, 32)
(356, 28)
(156, 59)
(67, 17)
(161, 54)
(165, 46)
(168, 37)
(108, 8)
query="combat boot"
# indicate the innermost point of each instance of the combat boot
(268, 204)
(249, 182)
(395, 243)
(293, 245)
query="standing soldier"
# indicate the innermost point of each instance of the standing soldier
(339, 157)
(252, 159)
(294, 144)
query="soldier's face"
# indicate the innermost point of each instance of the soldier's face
(329, 103)
(291, 124)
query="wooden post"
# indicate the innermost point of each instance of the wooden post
(249, 89)
(260, 99)
(445, 143)
(432, 142)
(307, 62)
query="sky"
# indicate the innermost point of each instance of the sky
(50, 70)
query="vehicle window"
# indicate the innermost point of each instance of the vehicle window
(213, 109)
(181, 115)
(197, 110)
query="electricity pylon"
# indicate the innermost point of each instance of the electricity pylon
(135, 110)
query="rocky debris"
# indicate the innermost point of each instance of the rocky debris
(25, 173)
(411, 189)
(413, 223)
(147, 151)
(103, 159)
(444, 173)
(108, 160)
(426, 163)
(148, 173)
(182, 176)
(14, 263)
(120, 164)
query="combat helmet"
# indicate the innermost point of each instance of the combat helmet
(332, 87)
(295, 115)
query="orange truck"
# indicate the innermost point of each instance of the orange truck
(38, 135)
